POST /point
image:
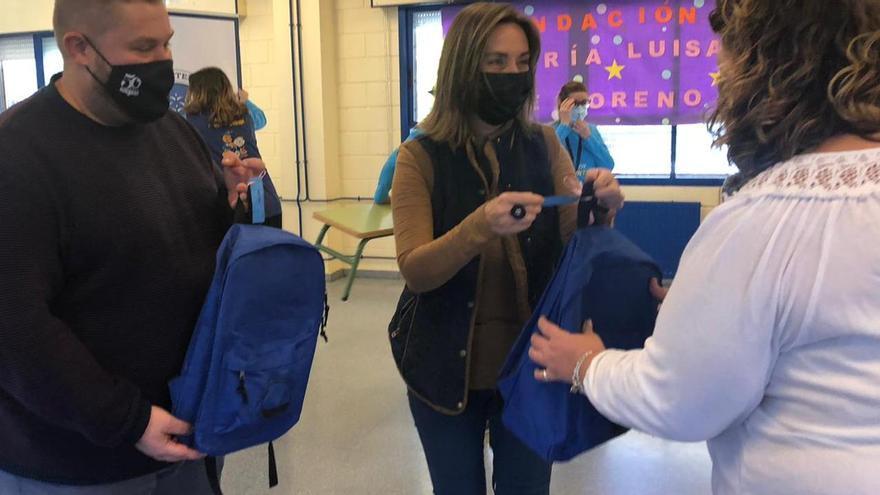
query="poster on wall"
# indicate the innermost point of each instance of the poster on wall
(642, 61)
(202, 41)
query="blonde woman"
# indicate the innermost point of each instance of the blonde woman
(224, 122)
(217, 112)
(768, 344)
(476, 248)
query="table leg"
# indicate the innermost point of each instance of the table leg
(356, 260)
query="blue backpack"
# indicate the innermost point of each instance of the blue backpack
(604, 277)
(247, 366)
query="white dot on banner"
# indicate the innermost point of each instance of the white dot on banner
(617, 120)
(664, 29)
(554, 114)
(602, 8)
(665, 121)
(667, 74)
(699, 3)
(618, 39)
(529, 10)
(578, 78)
(596, 39)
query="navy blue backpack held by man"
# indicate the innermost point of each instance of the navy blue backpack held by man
(246, 370)
(604, 277)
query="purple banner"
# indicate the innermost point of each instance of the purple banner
(643, 61)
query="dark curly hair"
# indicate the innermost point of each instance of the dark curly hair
(794, 73)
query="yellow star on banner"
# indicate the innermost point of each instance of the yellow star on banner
(715, 76)
(615, 70)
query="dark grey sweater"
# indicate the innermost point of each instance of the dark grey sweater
(107, 245)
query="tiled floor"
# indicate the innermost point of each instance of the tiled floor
(356, 435)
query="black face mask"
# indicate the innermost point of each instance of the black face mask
(140, 90)
(502, 96)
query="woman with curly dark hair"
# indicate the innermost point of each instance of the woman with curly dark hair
(768, 344)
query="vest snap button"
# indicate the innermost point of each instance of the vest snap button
(470, 304)
(460, 405)
(462, 353)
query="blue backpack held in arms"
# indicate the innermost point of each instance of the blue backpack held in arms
(604, 277)
(246, 370)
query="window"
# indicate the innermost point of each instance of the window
(650, 158)
(695, 156)
(52, 61)
(18, 77)
(427, 46)
(640, 152)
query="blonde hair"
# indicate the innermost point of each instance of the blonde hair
(794, 73)
(460, 77)
(211, 92)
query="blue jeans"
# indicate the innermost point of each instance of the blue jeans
(454, 449)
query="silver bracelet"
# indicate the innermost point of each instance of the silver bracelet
(576, 385)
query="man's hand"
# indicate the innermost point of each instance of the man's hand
(159, 440)
(237, 173)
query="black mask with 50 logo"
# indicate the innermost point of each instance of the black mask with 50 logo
(140, 90)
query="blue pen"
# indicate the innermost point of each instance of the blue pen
(552, 201)
(519, 211)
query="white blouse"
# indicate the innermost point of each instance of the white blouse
(768, 343)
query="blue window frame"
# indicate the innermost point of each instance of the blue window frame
(25, 59)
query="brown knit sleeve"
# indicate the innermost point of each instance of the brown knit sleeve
(561, 167)
(427, 263)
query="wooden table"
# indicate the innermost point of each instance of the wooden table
(363, 221)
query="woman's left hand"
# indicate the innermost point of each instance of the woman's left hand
(558, 351)
(606, 188)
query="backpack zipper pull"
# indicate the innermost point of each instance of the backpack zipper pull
(325, 318)
(241, 388)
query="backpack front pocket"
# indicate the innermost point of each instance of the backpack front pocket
(261, 384)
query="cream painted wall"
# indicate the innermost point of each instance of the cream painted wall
(22, 16)
(708, 197)
(206, 6)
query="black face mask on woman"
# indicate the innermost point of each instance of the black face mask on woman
(140, 90)
(502, 96)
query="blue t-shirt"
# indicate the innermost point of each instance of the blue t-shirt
(386, 176)
(257, 115)
(594, 152)
(238, 138)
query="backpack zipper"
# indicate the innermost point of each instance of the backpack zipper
(241, 388)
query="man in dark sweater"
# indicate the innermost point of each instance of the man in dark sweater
(110, 218)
